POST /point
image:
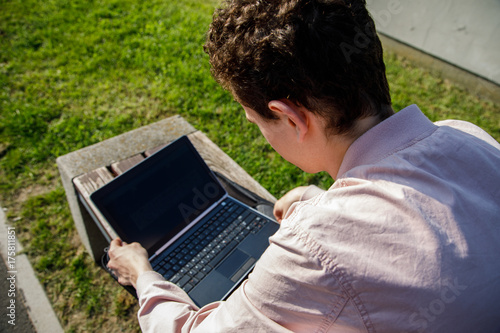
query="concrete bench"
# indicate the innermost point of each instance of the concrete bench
(87, 169)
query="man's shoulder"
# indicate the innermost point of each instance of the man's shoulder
(469, 128)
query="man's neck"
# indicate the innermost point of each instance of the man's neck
(340, 144)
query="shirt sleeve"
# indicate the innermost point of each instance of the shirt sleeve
(164, 307)
(311, 192)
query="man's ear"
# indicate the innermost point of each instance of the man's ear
(294, 115)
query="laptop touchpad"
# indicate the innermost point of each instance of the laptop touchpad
(232, 263)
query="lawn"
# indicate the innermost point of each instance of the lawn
(73, 73)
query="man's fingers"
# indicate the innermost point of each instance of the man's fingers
(124, 281)
(117, 242)
(278, 214)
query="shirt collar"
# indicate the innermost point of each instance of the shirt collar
(392, 134)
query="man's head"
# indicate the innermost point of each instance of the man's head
(323, 55)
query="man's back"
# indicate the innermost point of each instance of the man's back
(407, 239)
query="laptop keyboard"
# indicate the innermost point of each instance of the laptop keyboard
(195, 257)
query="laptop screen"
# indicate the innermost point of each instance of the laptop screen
(157, 198)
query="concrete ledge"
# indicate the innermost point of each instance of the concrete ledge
(467, 80)
(104, 154)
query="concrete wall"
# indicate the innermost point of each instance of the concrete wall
(465, 33)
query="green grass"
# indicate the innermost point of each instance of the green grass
(73, 73)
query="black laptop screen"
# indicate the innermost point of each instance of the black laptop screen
(157, 198)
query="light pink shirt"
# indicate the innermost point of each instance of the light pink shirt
(406, 240)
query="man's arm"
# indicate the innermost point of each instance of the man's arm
(283, 206)
(277, 297)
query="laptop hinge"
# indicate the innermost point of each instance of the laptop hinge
(189, 226)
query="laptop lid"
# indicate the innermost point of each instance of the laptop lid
(152, 202)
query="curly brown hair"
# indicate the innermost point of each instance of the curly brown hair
(322, 54)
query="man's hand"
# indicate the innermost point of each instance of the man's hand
(128, 261)
(282, 206)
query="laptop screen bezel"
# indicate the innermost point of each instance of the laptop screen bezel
(99, 196)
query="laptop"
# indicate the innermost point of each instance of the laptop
(196, 235)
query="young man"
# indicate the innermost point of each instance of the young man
(406, 239)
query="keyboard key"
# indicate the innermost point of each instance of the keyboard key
(176, 278)
(223, 254)
(206, 269)
(168, 275)
(185, 279)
